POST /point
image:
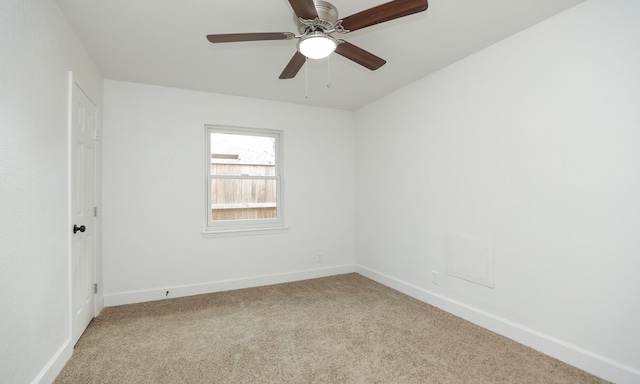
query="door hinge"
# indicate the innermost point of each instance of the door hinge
(95, 211)
(95, 288)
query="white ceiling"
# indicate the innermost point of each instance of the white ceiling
(163, 43)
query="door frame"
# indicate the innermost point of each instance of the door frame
(96, 239)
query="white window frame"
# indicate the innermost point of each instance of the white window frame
(225, 228)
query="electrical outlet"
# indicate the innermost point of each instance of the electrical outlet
(434, 277)
(319, 257)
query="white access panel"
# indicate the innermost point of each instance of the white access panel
(470, 257)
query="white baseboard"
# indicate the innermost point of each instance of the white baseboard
(578, 357)
(100, 304)
(160, 293)
(50, 371)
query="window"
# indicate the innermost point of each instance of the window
(244, 180)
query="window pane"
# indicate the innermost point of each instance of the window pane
(243, 172)
(243, 199)
(233, 154)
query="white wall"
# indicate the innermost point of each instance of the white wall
(37, 49)
(535, 142)
(154, 194)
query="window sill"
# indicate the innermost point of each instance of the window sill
(210, 234)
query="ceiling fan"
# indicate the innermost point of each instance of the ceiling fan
(317, 20)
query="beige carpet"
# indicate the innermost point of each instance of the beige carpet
(340, 329)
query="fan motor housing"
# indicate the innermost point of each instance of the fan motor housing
(327, 17)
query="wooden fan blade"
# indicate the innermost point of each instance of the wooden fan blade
(304, 9)
(384, 12)
(291, 70)
(256, 36)
(359, 55)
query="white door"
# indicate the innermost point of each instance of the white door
(82, 145)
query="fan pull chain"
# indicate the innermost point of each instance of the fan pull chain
(306, 77)
(328, 72)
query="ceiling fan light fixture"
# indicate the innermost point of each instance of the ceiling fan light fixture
(317, 45)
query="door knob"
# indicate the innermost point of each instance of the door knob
(81, 228)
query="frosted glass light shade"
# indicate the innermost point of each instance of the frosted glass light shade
(317, 45)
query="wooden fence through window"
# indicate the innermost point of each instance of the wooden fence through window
(243, 199)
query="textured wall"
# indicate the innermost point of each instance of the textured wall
(533, 142)
(154, 180)
(36, 46)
